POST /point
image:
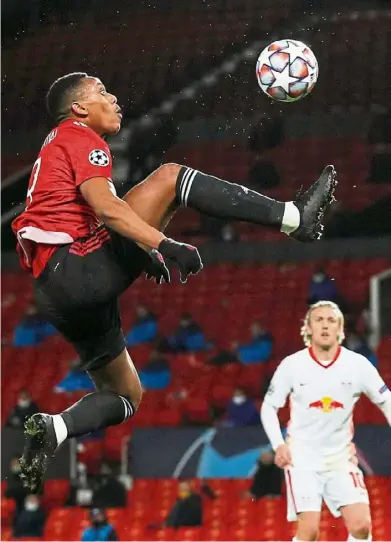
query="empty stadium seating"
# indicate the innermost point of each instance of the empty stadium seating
(228, 517)
(136, 52)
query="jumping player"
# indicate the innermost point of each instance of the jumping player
(85, 246)
(324, 381)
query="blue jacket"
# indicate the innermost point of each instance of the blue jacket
(98, 534)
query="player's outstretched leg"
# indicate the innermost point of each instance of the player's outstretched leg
(301, 218)
(117, 400)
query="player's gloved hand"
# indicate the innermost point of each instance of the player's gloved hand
(186, 257)
(283, 457)
(157, 269)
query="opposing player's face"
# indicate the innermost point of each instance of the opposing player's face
(103, 114)
(324, 327)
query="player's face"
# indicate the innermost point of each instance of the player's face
(324, 327)
(103, 114)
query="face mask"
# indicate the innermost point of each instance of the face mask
(239, 399)
(318, 278)
(24, 403)
(31, 506)
(99, 522)
(15, 469)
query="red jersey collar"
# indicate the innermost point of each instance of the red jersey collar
(313, 356)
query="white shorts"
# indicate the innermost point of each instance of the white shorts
(307, 489)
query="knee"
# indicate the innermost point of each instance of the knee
(360, 528)
(169, 172)
(135, 394)
(308, 529)
(307, 533)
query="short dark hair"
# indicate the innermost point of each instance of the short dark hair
(61, 94)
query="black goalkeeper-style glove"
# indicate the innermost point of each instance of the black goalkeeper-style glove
(186, 257)
(157, 269)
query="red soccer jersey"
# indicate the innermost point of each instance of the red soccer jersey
(56, 212)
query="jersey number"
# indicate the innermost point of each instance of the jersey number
(35, 173)
(358, 479)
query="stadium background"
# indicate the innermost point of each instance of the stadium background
(184, 73)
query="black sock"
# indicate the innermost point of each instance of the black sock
(95, 411)
(222, 199)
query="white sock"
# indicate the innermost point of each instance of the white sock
(294, 539)
(352, 539)
(59, 428)
(290, 220)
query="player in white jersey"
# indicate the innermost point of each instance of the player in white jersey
(324, 381)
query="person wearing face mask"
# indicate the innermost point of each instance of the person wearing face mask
(99, 528)
(15, 489)
(30, 521)
(110, 492)
(24, 409)
(241, 411)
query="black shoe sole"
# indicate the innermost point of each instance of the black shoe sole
(36, 454)
(313, 232)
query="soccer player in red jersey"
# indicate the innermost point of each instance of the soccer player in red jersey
(85, 246)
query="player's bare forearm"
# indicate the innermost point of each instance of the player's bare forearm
(117, 215)
(120, 217)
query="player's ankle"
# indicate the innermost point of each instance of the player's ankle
(291, 218)
(60, 428)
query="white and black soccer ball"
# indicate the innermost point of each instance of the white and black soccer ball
(287, 70)
(98, 157)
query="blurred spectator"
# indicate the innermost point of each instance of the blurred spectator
(241, 411)
(322, 288)
(259, 348)
(15, 489)
(188, 337)
(187, 510)
(32, 329)
(24, 408)
(30, 521)
(81, 491)
(75, 380)
(155, 375)
(109, 492)
(267, 480)
(99, 528)
(228, 234)
(358, 344)
(144, 328)
(224, 357)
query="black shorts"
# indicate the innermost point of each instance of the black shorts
(78, 292)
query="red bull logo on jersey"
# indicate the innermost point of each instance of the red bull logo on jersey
(326, 404)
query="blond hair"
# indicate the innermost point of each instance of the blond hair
(307, 337)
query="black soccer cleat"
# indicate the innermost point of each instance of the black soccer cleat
(40, 446)
(313, 204)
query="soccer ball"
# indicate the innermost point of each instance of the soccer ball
(287, 70)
